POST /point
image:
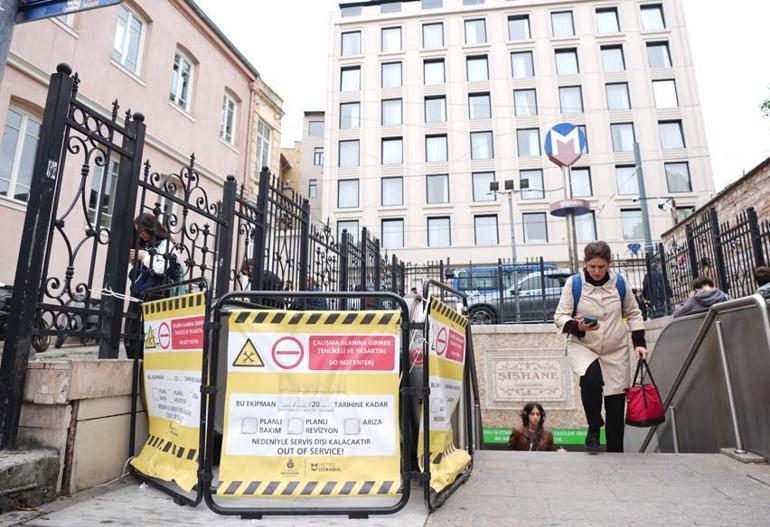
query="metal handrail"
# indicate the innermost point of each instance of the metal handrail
(756, 300)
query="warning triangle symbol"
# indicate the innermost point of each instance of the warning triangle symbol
(149, 342)
(248, 356)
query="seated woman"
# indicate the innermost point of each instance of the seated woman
(532, 435)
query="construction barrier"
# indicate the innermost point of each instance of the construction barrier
(174, 343)
(312, 408)
(446, 367)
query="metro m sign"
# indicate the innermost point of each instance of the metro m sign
(31, 10)
(564, 144)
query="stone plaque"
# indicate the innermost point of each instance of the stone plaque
(515, 377)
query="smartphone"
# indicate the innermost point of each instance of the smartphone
(588, 320)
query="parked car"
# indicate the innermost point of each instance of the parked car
(538, 295)
(39, 342)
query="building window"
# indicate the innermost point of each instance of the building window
(437, 188)
(525, 103)
(433, 71)
(485, 229)
(671, 137)
(318, 156)
(181, 81)
(391, 112)
(531, 184)
(628, 185)
(475, 31)
(682, 213)
(351, 43)
(263, 144)
(481, 145)
(350, 79)
(392, 151)
(479, 106)
(665, 94)
(607, 20)
(390, 39)
(477, 68)
(528, 142)
(571, 100)
(350, 11)
(481, 181)
(390, 7)
(473, 2)
(433, 35)
(617, 96)
(436, 149)
(103, 199)
(562, 24)
(348, 154)
(585, 134)
(315, 128)
(431, 4)
(312, 188)
(129, 36)
(535, 227)
(518, 27)
(632, 224)
(392, 233)
(351, 226)
(392, 189)
(612, 59)
(678, 177)
(391, 74)
(435, 109)
(580, 181)
(567, 62)
(623, 137)
(350, 115)
(652, 17)
(658, 55)
(347, 193)
(585, 227)
(439, 232)
(522, 65)
(227, 124)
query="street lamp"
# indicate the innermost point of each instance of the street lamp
(494, 187)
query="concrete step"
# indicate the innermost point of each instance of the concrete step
(28, 478)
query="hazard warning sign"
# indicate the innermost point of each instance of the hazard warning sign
(321, 418)
(173, 358)
(249, 356)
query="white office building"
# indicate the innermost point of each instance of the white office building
(431, 100)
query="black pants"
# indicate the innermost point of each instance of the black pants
(614, 407)
(133, 331)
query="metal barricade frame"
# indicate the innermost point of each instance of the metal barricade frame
(209, 390)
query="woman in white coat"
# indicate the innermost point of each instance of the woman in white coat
(597, 342)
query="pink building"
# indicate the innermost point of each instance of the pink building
(166, 60)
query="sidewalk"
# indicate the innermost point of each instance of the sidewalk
(506, 489)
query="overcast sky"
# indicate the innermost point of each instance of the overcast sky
(287, 41)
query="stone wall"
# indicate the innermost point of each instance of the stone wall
(752, 190)
(527, 362)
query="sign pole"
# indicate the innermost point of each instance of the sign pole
(513, 257)
(643, 200)
(570, 217)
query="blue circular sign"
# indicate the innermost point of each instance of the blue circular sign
(564, 144)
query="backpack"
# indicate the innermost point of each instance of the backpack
(577, 290)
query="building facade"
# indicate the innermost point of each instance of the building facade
(312, 156)
(431, 100)
(165, 59)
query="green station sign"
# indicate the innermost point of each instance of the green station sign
(561, 436)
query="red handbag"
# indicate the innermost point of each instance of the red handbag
(645, 407)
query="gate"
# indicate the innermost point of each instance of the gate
(66, 224)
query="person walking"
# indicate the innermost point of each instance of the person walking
(532, 434)
(591, 311)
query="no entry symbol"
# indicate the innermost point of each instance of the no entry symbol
(288, 352)
(441, 341)
(164, 336)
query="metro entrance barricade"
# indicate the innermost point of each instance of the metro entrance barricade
(286, 369)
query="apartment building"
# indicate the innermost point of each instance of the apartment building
(431, 100)
(165, 59)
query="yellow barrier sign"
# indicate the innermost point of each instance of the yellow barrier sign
(446, 356)
(311, 405)
(173, 351)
